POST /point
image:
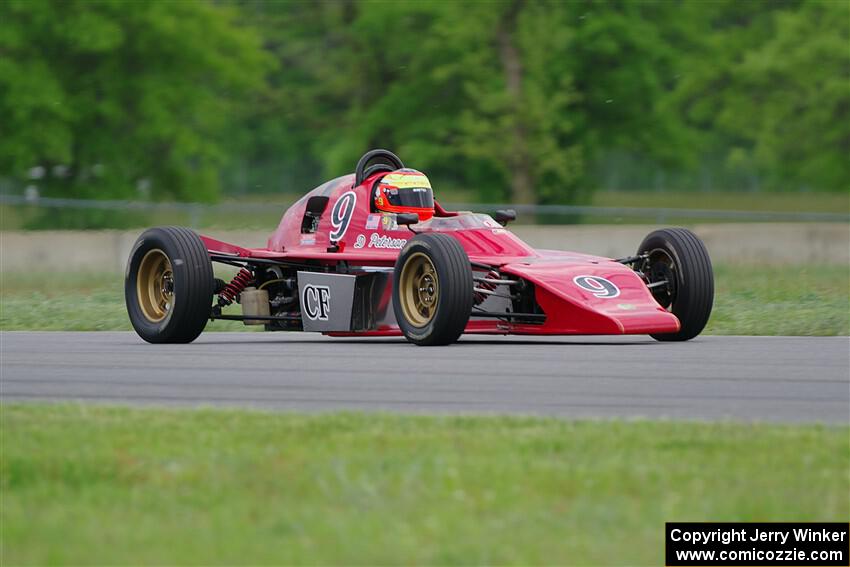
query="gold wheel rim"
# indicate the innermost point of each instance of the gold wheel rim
(155, 285)
(419, 289)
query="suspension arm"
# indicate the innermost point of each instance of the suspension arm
(495, 281)
(213, 317)
(632, 259)
(497, 315)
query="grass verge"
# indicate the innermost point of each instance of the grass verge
(75, 302)
(748, 301)
(813, 300)
(85, 484)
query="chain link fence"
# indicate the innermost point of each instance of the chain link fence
(20, 212)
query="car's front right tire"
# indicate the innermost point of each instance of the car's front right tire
(168, 285)
(432, 289)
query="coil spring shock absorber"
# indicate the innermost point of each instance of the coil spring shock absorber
(235, 287)
(487, 286)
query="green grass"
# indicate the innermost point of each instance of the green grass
(74, 302)
(748, 301)
(790, 300)
(83, 484)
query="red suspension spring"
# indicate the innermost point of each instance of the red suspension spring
(492, 275)
(235, 287)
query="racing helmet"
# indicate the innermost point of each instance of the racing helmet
(405, 191)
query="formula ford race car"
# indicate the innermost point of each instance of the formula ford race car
(372, 254)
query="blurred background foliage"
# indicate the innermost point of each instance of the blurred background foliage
(527, 101)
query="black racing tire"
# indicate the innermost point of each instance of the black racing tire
(168, 285)
(678, 256)
(429, 260)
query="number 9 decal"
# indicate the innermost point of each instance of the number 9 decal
(598, 286)
(341, 215)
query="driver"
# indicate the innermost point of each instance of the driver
(404, 191)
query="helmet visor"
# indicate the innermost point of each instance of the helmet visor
(410, 197)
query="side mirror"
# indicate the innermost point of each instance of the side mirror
(504, 216)
(406, 219)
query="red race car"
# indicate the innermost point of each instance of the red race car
(372, 254)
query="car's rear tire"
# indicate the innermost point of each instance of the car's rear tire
(678, 256)
(432, 290)
(168, 285)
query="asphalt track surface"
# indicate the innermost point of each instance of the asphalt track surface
(786, 379)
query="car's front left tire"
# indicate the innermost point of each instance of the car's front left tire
(678, 268)
(168, 285)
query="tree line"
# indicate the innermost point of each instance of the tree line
(529, 101)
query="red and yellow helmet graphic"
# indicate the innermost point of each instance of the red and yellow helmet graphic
(405, 191)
